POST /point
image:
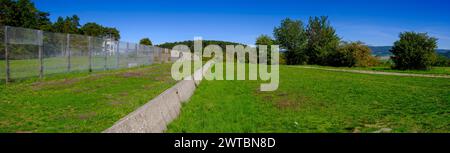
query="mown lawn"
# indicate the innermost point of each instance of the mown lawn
(310, 100)
(79, 102)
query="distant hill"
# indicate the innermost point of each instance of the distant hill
(190, 44)
(380, 50)
(384, 51)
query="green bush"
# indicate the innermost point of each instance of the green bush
(442, 61)
(414, 51)
(352, 54)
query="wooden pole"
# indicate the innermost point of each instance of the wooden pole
(7, 79)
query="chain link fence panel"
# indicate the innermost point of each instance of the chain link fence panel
(30, 53)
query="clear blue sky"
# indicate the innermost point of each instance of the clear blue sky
(375, 22)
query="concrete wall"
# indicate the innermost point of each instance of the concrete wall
(155, 115)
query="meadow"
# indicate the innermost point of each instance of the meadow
(307, 100)
(79, 101)
(311, 100)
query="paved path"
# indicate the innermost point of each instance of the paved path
(376, 72)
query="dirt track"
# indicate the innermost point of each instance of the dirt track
(377, 72)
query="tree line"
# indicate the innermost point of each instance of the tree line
(23, 13)
(190, 44)
(317, 43)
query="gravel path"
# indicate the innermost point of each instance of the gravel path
(377, 72)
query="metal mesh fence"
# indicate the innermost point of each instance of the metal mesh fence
(30, 53)
(2, 53)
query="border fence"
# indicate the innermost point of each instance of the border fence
(31, 53)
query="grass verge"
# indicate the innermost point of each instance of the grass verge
(79, 102)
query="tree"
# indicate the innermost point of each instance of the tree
(292, 37)
(113, 32)
(94, 29)
(265, 40)
(352, 54)
(145, 41)
(23, 13)
(67, 25)
(322, 40)
(414, 51)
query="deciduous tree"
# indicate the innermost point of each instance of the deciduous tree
(292, 37)
(414, 51)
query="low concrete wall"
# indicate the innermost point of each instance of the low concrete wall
(155, 115)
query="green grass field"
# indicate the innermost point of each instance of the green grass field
(310, 100)
(79, 102)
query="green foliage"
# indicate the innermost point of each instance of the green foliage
(352, 54)
(322, 40)
(265, 40)
(190, 44)
(146, 41)
(442, 60)
(113, 32)
(94, 29)
(67, 25)
(23, 13)
(292, 37)
(414, 51)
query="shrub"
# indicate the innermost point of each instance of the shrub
(414, 51)
(442, 61)
(353, 54)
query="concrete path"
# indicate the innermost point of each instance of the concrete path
(376, 72)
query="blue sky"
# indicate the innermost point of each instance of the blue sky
(375, 22)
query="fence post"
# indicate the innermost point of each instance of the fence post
(137, 54)
(7, 79)
(117, 55)
(68, 52)
(90, 53)
(169, 55)
(126, 54)
(149, 55)
(41, 61)
(105, 53)
(162, 55)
